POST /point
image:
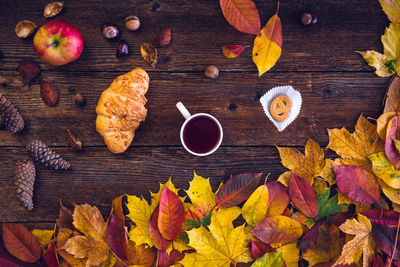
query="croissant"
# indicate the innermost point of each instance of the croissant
(121, 109)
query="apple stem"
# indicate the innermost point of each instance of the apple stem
(53, 44)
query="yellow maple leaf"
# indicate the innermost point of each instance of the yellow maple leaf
(200, 190)
(223, 245)
(355, 148)
(284, 178)
(255, 208)
(268, 45)
(155, 197)
(306, 166)
(391, 9)
(362, 243)
(140, 214)
(327, 248)
(290, 254)
(387, 63)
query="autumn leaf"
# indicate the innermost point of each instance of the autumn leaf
(355, 148)
(242, 15)
(166, 259)
(327, 172)
(391, 8)
(220, 246)
(303, 196)
(267, 47)
(255, 208)
(50, 256)
(306, 166)
(269, 260)
(357, 183)
(117, 235)
(284, 178)
(277, 229)
(64, 234)
(149, 53)
(303, 219)
(232, 51)
(392, 133)
(383, 217)
(237, 189)
(155, 197)
(328, 246)
(158, 240)
(362, 243)
(44, 237)
(393, 95)
(140, 256)
(278, 198)
(290, 255)
(139, 213)
(20, 242)
(382, 123)
(258, 249)
(65, 219)
(171, 215)
(385, 170)
(327, 206)
(390, 193)
(385, 238)
(200, 190)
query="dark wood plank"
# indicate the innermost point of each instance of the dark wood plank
(97, 177)
(199, 30)
(329, 101)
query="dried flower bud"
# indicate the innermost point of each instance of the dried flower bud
(72, 141)
(53, 9)
(25, 28)
(132, 23)
(29, 70)
(212, 72)
(79, 100)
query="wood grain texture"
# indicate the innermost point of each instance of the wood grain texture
(98, 177)
(199, 30)
(329, 101)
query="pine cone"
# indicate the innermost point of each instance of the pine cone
(24, 175)
(12, 118)
(44, 154)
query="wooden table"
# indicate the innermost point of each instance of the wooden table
(320, 61)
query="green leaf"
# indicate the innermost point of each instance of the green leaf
(327, 206)
(269, 260)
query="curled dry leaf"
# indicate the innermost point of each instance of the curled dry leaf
(232, 51)
(25, 28)
(72, 141)
(149, 53)
(20, 242)
(53, 9)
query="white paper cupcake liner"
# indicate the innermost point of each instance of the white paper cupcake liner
(288, 91)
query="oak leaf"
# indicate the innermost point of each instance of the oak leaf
(200, 190)
(220, 246)
(362, 243)
(306, 166)
(242, 15)
(271, 259)
(267, 46)
(391, 9)
(328, 246)
(232, 51)
(355, 148)
(382, 168)
(254, 210)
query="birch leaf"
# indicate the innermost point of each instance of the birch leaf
(255, 208)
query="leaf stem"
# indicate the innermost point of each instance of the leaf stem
(266, 178)
(395, 242)
(277, 8)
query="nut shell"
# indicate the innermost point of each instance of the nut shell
(132, 23)
(110, 30)
(212, 72)
(53, 9)
(49, 93)
(25, 28)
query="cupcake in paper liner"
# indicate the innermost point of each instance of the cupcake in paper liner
(282, 105)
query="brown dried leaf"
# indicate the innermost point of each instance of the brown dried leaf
(149, 53)
(65, 218)
(72, 141)
(393, 95)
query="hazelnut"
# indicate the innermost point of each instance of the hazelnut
(25, 28)
(212, 72)
(132, 23)
(79, 100)
(307, 19)
(110, 30)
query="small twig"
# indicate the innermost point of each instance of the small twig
(266, 178)
(395, 242)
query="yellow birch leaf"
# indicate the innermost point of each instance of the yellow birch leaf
(290, 255)
(362, 244)
(268, 45)
(62, 237)
(44, 237)
(255, 208)
(382, 168)
(378, 61)
(284, 178)
(200, 190)
(391, 9)
(355, 148)
(383, 122)
(139, 213)
(222, 246)
(306, 166)
(89, 221)
(96, 251)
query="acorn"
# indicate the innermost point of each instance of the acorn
(132, 23)
(79, 100)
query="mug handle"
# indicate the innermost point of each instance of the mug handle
(185, 113)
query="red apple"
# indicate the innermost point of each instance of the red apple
(58, 42)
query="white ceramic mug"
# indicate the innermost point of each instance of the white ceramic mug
(188, 117)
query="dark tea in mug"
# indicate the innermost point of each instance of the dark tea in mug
(201, 134)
